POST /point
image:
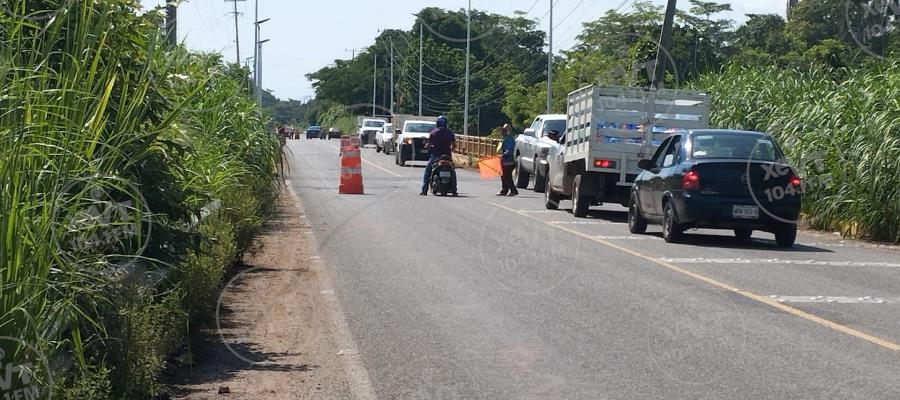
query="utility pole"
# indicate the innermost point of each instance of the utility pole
(256, 90)
(237, 36)
(172, 24)
(421, 61)
(374, 82)
(665, 42)
(258, 62)
(550, 66)
(260, 76)
(468, 51)
(392, 77)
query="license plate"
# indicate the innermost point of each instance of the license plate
(745, 212)
(445, 174)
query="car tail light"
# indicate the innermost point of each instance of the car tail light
(795, 181)
(604, 164)
(691, 181)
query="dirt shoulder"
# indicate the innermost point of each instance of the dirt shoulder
(276, 334)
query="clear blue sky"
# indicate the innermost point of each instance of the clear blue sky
(309, 34)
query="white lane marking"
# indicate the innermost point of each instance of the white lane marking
(835, 299)
(361, 387)
(852, 245)
(602, 237)
(369, 163)
(581, 222)
(777, 261)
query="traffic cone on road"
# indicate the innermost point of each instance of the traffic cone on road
(351, 171)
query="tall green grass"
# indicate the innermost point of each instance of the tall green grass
(842, 127)
(92, 92)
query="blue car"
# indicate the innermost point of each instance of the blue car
(717, 179)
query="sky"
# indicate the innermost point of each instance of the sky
(306, 35)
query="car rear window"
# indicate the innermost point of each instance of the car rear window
(374, 124)
(735, 146)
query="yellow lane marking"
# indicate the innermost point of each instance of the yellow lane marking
(705, 279)
(373, 164)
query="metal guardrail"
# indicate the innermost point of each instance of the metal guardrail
(476, 146)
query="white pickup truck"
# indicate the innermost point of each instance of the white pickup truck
(608, 131)
(532, 147)
(367, 128)
(410, 143)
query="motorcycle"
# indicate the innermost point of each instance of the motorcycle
(443, 177)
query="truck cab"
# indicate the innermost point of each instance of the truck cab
(532, 148)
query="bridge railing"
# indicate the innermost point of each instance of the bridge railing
(476, 146)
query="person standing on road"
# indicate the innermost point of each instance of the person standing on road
(507, 162)
(440, 143)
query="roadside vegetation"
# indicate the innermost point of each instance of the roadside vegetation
(823, 81)
(96, 112)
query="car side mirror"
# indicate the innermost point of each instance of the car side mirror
(529, 132)
(645, 165)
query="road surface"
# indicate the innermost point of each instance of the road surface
(480, 297)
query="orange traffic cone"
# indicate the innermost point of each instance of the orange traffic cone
(351, 171)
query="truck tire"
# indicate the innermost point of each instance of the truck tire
(386, 150)
(551, 197)
(401, 159)
(673, 232)
(580, 204)
(637, 224)
(377, 148)
(540, 181)
(522, 176)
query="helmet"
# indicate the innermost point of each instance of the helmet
(442, 122)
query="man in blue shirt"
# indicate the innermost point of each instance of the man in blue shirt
(440, 143)
(508, 162)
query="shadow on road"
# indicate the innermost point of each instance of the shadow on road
(726, 241)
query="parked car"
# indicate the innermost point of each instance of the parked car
(335, 133)
(313, 132)
(532, 150)
(384, 139)
(717, 179)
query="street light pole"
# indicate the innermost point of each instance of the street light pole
(392, 76)
(421, 61)
(374, 82)
(256, 53)
(259, 77)
(550, 66)
(468, 51)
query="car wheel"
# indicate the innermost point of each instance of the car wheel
(377, 148)
(636, 222)
(540, 181)
(522, 177)
(580, 204)
(786, 235)
(743, 234)
(672, 230)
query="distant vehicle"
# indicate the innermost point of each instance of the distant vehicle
(532, 149)
(609, 130)
(335, 133)
(367, 128)
(313, 132)
(384, 139)
(410, 144)
(717, 179)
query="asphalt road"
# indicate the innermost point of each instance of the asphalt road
(480, 297)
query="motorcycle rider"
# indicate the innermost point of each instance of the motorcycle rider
(440, 143)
